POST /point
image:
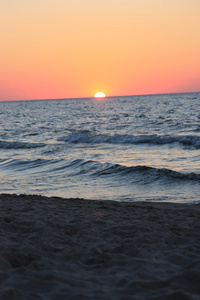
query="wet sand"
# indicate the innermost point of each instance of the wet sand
(53, 248)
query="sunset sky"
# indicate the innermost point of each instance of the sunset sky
(75, 48)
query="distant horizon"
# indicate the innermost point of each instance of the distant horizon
(92, 97)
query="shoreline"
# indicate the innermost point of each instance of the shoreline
(155, 204)
(143, 204)
(57, 248)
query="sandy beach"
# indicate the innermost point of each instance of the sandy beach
(54, 248)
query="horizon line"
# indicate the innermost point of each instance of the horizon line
(92, 97)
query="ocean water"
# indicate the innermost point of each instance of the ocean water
(135, 148)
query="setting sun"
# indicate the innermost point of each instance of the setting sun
(99, 95)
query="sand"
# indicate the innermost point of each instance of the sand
(53, 248)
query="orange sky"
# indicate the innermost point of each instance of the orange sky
(75, 48)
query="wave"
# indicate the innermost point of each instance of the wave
(25, 165)
(19, 145)
(88, 137)
(135, 174)
(47, 166)
(147, 173)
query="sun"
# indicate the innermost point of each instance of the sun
(99, 95)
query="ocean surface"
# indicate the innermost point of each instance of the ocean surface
(133, 148)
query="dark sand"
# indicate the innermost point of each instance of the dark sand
(53, 248)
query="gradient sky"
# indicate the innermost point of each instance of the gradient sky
(75, 48)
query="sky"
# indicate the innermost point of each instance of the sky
(75, 48)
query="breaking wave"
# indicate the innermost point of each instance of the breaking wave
(95, 169)
(147, 172)
(88, 137)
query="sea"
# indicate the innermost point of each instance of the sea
(131, 148)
